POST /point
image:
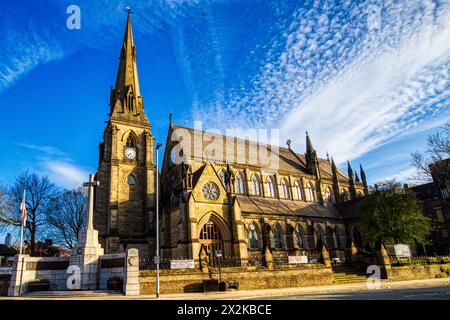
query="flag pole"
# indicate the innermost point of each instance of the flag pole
(21, 223)
(21, 235)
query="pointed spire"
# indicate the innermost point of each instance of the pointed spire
(351, 181)
(336, 188)
(363, 179)
(310, 156)
(309, 147)
(126, 96)
(356, 177)
(127, 74)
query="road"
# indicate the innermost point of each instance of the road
(427, 289)
(430, 293)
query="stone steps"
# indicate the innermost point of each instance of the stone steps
(344, 274)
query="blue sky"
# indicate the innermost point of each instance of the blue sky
(369, 80)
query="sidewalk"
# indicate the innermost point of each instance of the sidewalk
(241, 295)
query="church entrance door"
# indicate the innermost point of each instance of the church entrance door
(211, 238)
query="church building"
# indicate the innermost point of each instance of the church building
(213, 204)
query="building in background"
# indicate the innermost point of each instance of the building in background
(7, 252)
(436, 204)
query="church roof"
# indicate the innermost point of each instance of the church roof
(286, 207)
(289, 161)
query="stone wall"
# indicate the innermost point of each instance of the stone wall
(418, 272)
(111, 265)
(27, 268)
(122, 265)
(178, 281)
(4, 284)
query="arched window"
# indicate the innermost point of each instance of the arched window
(298, 190)
(271, 186)
(253, 239)
(356, 237)
(345, 195)
(310, 192)
(336, 239)
(277, 237)
(239, 183)
(222, 175)
(329, 196)
(285, 189)
(256, 185)
(131, 180)
(318, 235)
(299, 237)
(131, 142)
(210, 232)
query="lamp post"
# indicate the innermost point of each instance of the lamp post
(157, 258)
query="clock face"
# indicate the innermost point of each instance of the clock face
(130, 153)
(210, 191)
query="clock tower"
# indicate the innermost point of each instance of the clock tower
(125, 199)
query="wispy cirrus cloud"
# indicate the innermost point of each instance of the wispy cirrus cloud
(42, 36)
(57, 165)
(49, 150)
(355, 81)
(65, 174)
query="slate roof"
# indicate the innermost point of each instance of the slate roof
(289, 161)
(286, 207)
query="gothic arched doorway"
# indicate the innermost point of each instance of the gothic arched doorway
(211, 238)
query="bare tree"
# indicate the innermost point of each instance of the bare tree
(438, 148)
(40, 191)
(67, 216)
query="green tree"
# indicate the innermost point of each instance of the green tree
(392, 214)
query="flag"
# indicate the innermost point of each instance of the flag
(23, 209)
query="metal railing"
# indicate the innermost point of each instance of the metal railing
(419, 260)
(148, 264)
(227, 262)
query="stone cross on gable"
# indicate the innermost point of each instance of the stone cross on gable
(91, 184)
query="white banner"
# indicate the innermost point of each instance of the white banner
(182, 264)
(297, 259)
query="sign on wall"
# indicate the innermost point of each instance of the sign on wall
(297, 259)
(402, 251)
(182, 264)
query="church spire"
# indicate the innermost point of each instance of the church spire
(336, 187)
(310, 156)
(363, 180)
(351, 181)
(309, 147)
(126, 96)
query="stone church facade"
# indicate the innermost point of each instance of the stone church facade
(125, 198)
(209, 205)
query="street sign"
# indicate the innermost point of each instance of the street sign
(182, 264)
(156, 260)
(402, 251)
(297, 259)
